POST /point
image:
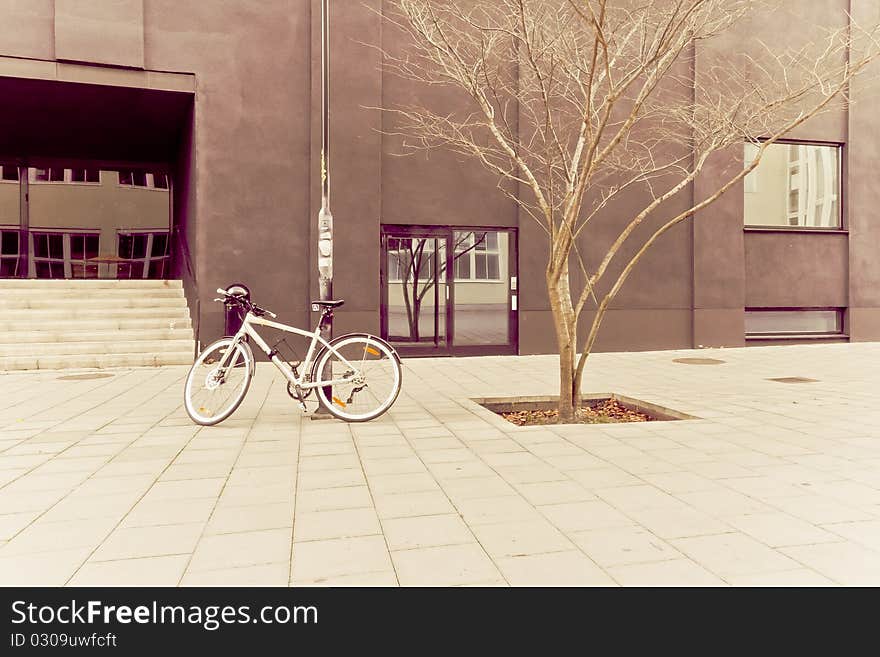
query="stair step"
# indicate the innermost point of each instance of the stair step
(60, 284)
(36, 315)
(81, 292)
(92, 322)
(42, 349)
(101, 333)
(47, 302)
(100, 361)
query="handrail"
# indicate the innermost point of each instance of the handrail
(180, 239)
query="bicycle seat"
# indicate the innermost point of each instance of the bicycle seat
(329, 304)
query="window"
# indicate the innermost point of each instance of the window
(401, 254)
(477, 256)
(64, 255)
(793, 322)
(83, 249)
(131, 178)
(51, 174)
(146, 253)
(795, 185)
(60, 175)
(9, 173)
(9, 253)
(85, 175)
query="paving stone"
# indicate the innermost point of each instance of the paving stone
(425, 531)
(449, 565)
(149, 571)
(325, 562)
(160, 540)
(673, 572)
(734, 554)
(571, 568)
(781, 529)
(619, 546)
(241, 549)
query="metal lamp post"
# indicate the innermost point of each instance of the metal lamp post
(325, 218)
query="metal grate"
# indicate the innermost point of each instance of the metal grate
(85, 377)
(699, 361)
(794, 379)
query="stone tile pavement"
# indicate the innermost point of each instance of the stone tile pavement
(106, 481)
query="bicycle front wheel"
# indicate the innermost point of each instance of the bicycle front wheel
(366, 374)
(213, 393)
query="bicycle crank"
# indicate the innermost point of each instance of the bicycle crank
(298, 394)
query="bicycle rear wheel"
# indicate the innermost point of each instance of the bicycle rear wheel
(211, 395)
(369, 378)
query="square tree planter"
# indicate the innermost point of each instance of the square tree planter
(498, 405)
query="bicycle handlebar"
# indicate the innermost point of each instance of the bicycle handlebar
(251, 307)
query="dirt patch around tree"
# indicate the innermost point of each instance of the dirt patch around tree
(605, 412)
(609, 408)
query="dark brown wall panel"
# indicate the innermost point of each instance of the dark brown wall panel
(356, 166)
(26, 28)
(622, 330)
(790, 270)
(436, 186)
(252, 61)
(100, 31)
(863, 198)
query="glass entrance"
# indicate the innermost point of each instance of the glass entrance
(449, 291)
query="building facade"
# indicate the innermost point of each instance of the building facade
(154, 138)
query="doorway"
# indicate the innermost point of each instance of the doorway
(449, 291)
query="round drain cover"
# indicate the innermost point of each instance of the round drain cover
(794, 379)
(698, 361)
(84, 377)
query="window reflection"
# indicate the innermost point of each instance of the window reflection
(85, 222)
(795, 185)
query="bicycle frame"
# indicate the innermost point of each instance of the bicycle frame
(247, 329)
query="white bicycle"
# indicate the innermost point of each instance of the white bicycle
(356, 377)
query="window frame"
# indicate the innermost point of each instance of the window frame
(842, 225)
(68, 177)
(17, 180)
(841, 334)
(472, 258)
(66, 260)
(9, 256)
(149, 180)
(429, 260)
(148, 260)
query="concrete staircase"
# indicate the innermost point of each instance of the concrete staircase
(56, 324)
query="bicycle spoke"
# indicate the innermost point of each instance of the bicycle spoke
(212, 393)
(370, 379)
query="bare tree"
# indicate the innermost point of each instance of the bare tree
(577, 104)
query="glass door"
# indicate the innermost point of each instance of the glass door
(415, 290)
(449, 291)
(484, 298)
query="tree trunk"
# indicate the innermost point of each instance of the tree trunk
(414, 321)
(566, 339)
